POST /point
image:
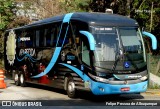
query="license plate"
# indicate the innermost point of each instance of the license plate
(125, 89)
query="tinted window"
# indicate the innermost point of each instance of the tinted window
(26, 38)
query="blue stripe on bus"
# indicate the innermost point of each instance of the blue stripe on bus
(80, 73)
(90, 39)
(26, 55)
(76, 70)
(99, 88)
(67, 17)
(59, 35)
(57, 51)
(51, 64)
(65, 35)
(154, 40)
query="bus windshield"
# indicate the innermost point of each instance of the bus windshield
(131, 40)
(110, 42)
(106, 43)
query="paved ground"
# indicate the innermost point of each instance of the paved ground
(13, 92)
(59, 98)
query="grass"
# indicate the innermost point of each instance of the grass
(153, 86)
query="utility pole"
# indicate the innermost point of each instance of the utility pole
(151, 22)
(128, 7)
(0, 18)
(52, 7)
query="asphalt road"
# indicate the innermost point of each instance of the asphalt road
(56, 97)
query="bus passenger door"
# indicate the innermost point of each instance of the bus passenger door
(85, 54)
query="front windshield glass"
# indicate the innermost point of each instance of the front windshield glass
(106, 43)
(131, 40)
(114, 46)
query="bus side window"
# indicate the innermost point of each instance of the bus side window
(41, 38)
(85, 53)
(45, 37)
(49, 36)
(81, 41)
(29, 38)
(55, 32)
(18, 35)
(53, 36)
(37, 38)
(22, 43)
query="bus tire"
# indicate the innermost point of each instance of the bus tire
(71, 90)
(22, 80)
(16, 79)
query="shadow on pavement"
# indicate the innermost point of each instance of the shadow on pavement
(122, 97)
(88, 96)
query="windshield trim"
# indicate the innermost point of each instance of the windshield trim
(144, 50)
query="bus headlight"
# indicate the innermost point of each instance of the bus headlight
(98, 78)
(143, 78)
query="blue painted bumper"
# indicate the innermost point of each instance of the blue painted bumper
(98, 88)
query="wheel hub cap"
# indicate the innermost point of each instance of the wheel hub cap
(71, 87)
(16, 77)
(21, 78)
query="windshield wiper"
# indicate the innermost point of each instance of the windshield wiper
(119, 55)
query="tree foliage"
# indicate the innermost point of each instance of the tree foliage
(48, 8)
(19, 21)
(76, 5)
(136, 9)
(6, 13)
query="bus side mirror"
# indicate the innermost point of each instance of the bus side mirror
(90, 39)
(153, 38)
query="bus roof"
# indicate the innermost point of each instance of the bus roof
(90, 18)
(105, 19)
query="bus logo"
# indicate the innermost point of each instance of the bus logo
(11, 47)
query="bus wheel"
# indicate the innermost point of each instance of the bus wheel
(22, 80)
(16, 79)
(71, 91)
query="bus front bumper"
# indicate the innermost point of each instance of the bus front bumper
(98, 88)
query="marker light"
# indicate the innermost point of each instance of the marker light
(143, 78)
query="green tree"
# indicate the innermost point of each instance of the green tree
(76, 5)
(19, 21)
(49, 8)
(6, 13)
(146, 12)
